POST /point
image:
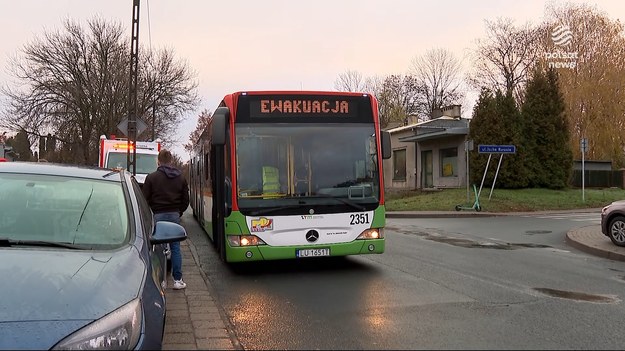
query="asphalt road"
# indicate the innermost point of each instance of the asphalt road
(462, 283)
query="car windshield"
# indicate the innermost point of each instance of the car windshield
(59, 209)
(145, 163)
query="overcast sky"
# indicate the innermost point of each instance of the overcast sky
(282, 44)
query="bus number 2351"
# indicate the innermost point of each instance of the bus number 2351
(359, 218)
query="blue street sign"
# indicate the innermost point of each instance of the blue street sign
(497, 149)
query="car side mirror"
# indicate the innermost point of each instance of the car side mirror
(167, 232)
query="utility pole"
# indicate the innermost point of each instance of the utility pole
(132, 96)
(153, 120)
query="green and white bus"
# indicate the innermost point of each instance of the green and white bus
(291, 175)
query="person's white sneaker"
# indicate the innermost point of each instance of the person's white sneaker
(179, 284)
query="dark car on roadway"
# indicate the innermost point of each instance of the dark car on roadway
(613, 222)
(81, 262)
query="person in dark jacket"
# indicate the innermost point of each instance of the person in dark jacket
(167, 192)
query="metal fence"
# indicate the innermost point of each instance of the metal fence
(598, 179)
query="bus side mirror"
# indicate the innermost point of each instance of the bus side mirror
(218, 126)
(386, 145)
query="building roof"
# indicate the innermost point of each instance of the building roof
(434, 128)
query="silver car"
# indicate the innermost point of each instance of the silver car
(613, 222)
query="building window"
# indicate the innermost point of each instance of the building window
(399, 164)
(449, 162)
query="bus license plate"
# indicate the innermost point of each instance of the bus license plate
(313, 252)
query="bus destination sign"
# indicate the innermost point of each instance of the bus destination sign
(302, 106)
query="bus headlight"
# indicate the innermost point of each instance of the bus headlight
(373, 233)
(245, 240)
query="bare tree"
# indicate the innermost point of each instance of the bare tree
(73, 84)
(375, 85)
(504, 59)
(396, 95)
(593, 87)
(350, 81)
(438, 78)
(203, 121)
(169, 91)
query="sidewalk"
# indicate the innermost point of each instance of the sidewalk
(590, 240)
(193, 322)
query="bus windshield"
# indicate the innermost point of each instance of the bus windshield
(289, 161)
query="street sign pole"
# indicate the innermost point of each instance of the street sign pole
(583, 173)
(496, 174)
(468, 146)
(484, 176)
(584, 148)
(490, 150)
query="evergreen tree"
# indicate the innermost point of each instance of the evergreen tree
(546, 132)
(21, 146)
(497, 121)
(483, 128)
(512, 172)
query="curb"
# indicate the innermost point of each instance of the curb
(442, 214)
(590, 240)
(471, 214)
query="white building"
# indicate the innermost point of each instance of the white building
(429, 154)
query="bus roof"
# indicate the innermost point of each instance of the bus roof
(300, 92)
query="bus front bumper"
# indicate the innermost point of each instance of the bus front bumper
(266, 252)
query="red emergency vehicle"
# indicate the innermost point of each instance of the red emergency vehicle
(113, 155)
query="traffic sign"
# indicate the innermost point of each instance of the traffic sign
(140, 124)
(584, 145)
(497, 149)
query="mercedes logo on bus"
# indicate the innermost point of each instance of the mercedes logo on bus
(312, 236)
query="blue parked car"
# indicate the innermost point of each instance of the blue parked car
(81, 262)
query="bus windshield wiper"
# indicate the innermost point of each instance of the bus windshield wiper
(345, 201)
(4, 242)
(267, 210)
(302, 203)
